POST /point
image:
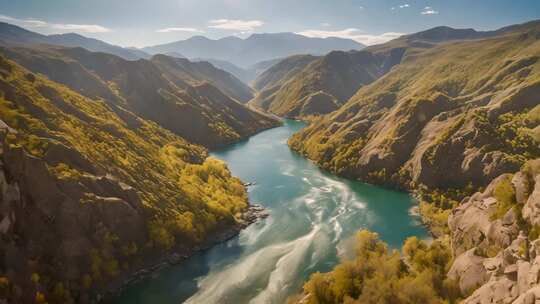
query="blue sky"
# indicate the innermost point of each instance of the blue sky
(146, 22)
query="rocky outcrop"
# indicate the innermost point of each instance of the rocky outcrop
(65, 220)
(499, 258)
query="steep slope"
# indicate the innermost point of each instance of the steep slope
(167, 95)
(280, 72)
(90, 192)
(13, 34)
(255, 48)
(448, 116)
(288, 88)
(341, 77)
(197, 72)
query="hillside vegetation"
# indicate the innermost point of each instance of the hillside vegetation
(302, 86)
(447, 116)
(181, 96)
(490, 254)
(90, 190)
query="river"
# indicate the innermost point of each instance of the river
(313, 219)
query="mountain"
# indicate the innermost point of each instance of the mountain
(246, 75)
(406, 122)
(458, 124)
(94, 192)
(176, 94)
(196, 72)
(327, 82)
(13, 34)
(303, 86)
(101, 171)
(243, 74)
(255, 48)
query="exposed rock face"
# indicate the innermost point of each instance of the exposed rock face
(468, 269)
(41, 215)
(531, 210)
(496, 256)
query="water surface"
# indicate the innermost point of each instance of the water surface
(313, 218)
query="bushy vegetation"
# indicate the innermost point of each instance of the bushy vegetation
(380, 275)
(186, 196)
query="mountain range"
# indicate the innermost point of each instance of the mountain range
(12, 34)
(255, 48)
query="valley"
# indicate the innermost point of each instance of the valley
(271, 168)
(313, 218)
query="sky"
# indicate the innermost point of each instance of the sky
(141, 23)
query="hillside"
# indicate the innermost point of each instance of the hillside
(255, 48)
(401, 128)
(92, 192)
(12, 34)
(300, 90)
(305, 85)
(171, 92)
(198, 72)
(246, 75)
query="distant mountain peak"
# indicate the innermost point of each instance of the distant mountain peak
(255, 48)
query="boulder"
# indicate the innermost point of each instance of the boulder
(468, 269)
(531, 210)
(500, 290)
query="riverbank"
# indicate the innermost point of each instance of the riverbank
(177, 255)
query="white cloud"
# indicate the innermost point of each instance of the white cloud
(400, 6)
(428, 10)
(62, 27)
(179, 29)
(235, 25)
(86, 28)
(354, 34)
(326, 24)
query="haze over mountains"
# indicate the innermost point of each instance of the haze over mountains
(255, 48)
(13, 34)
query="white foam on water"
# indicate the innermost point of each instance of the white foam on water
(286, 270)
(218, 286)
(254, 232)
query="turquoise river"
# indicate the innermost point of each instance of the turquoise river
(313, 219)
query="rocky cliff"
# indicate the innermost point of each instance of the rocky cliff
(495, 240)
